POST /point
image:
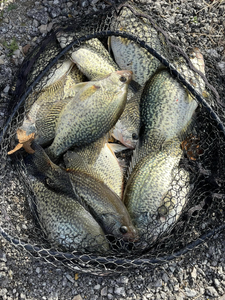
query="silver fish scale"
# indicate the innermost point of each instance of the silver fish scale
(130, 55)
(157, 192)
(66, 222)
(166, 106)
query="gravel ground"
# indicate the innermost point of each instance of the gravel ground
(198, 275)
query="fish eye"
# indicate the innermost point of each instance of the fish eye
(123, 79)
(134, 136)
(123, 229)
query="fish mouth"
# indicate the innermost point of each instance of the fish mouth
(117, 134)
(126, 75)
(131, 236)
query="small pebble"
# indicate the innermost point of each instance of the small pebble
(77, 297)
(190, 293)
(104, 291)
(211, 291)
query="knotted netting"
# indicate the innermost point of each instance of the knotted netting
(197, 183)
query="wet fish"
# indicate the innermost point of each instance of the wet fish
(127, 127)
(129, 55)
(65, 221)
(91, 114)
(102, 161)
(60, 90)
(157, 191)
(105, 206)
(94, 60)
(166, 107)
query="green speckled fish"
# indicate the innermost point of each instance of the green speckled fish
(65, 221)
(129, 55)
(156, 191)
(166, 106)
(101, 160)
(92, 113)
(104, 205)
(60, 89)
(127, 127)
(93, 59)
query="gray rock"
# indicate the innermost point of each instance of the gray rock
(70, 278)
(190, 293)
(36, 23)
(77, 297)
(3, 256)
(216, 282)
(165, 277)
(54, 12)
(43, 28)
(194, 273)
(120, 291)
(104, 291)
(6, 89)
(124, 279)
(110, 296)
(211, 291)
(158, 283)
(3, 292)
(83, 3)
(97, 287)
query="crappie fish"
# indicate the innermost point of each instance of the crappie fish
(57, 72)
(93, 59)
(127, 127)
(129, 55)
(104, 205)
(156, 191)
(65, 221)
(166, 106)
(92, 113)
(60, 90)
(193, 78)
(102, 161)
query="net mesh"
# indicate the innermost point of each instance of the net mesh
(203, 150)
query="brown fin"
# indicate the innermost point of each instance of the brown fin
(24, 141)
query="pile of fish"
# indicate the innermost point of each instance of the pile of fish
(91, 98)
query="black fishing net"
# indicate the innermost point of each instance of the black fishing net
(201, 210)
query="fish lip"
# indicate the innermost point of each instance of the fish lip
(117, 134)
(126, 73)
(131, 236)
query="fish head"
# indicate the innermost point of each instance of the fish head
(128, 136)
(120, 228)
(120, 78)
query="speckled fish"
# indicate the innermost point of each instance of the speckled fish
(65, 221)
(105, 206)
(102, 161)
(60, 90)
(129, 55)
(157, 191)
(93, 59)
(92, 113)
(166, 106)
(127, 127)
